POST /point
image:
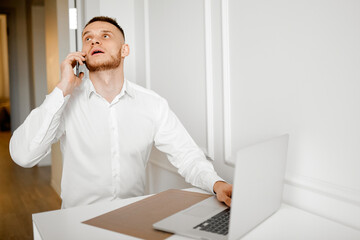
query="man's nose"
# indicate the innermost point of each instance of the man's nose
(95, 41)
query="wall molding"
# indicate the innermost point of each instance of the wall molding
(322, 187)
(147, 44)
(331, 201)
(209, 81)
(226, 80)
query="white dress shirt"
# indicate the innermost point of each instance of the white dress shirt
(106, 146)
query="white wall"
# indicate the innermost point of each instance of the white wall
(272, 67)
(294, 68)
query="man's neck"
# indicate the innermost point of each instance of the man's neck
(108, 83)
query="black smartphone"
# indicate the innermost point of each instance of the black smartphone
(77, 69)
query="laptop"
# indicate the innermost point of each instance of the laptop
(257, 194)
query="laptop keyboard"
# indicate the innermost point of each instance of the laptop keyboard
(217, 224)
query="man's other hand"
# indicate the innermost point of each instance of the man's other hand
(223, 192)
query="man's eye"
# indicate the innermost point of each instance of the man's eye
(87, 39)
(106, 36)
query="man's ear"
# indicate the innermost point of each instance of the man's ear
(125, 50)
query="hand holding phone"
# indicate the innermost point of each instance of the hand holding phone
(69, 80)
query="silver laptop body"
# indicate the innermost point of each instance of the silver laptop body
(257, 194)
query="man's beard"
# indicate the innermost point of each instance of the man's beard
(114, 62)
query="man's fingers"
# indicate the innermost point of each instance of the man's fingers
(77, 56)
(75, 59)
(72, 62)
(228, 201)
(225, 199)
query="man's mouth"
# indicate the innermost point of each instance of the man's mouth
(96, 52)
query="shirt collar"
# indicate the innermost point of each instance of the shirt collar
(127, 88)
(90, 87)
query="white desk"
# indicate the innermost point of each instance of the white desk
(288, 223)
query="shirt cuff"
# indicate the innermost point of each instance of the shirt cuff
(211, 179)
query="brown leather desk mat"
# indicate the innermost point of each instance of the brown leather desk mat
(136, 219)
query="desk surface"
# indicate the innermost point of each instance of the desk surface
(287, 223)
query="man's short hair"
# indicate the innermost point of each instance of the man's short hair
(106, 19)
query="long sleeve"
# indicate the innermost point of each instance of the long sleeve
(173, 139)
(32, 141)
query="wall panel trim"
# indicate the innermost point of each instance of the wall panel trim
(226, 80)
(209, 80)
(147, 44)
(328, 200)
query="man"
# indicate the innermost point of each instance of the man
(107, 126)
